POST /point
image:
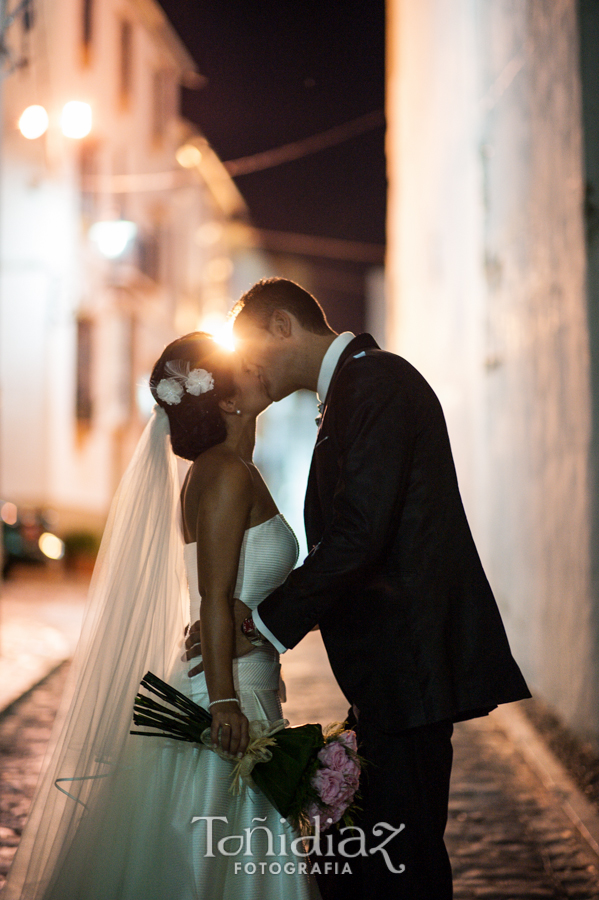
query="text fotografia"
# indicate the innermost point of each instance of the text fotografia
(291, 868)
(316, 846)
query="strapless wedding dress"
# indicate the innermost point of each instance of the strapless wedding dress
(168, 828)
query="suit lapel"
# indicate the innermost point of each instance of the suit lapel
(313, 514)
(361, 342)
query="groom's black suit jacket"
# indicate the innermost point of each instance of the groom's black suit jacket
(394, 579)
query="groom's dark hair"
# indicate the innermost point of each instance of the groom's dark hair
(270, 294)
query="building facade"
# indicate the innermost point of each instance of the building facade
(82, 319)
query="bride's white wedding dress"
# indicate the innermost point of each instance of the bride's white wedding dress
(140, 841)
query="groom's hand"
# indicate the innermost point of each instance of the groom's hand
(193, 641)
(193, 646)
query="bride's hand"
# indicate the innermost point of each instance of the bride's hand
(193, 641)
(229, 728)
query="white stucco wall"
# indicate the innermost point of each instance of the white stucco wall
(486, 294)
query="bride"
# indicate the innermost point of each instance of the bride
(122, 817)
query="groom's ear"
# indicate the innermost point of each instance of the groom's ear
(281, 324)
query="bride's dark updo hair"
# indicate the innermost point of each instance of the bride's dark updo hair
(196, 422)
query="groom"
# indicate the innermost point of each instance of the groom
(393, 579)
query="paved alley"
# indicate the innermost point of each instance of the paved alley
(507, 836)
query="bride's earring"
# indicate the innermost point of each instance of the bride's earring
(237, 412)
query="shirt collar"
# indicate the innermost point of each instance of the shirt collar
(329, 363)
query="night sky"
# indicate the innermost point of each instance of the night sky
(279, 71)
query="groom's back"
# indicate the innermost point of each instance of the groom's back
(417, 633)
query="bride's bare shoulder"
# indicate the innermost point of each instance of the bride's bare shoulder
(218, 482)
(216, 470)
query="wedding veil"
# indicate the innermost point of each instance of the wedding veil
(136, 611)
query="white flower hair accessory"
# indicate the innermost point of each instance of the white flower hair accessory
(199, 381)
(196, 382)
(170, 390)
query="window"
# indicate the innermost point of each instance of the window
(149, 259)
(87, 17)
(28, 17)
(124, 366)
(125, 63)
(84, 405)
(159, 105)
(88, 175)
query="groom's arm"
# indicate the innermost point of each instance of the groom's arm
(375, 419)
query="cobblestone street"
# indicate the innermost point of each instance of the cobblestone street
(24, 733)
(507, 836)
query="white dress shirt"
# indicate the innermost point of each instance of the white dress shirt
(329, 363)
(327, 368)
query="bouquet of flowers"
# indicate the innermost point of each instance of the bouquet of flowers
(304, 772)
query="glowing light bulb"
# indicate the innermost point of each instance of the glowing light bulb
(33, 122)
(76, 119)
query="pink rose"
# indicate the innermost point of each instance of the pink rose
(334, 813)
(335, 809)
(333, 755)
(347, 795)
(351, 771)
(312, 811)
(338, 808)
(328, 784)
(349, 739)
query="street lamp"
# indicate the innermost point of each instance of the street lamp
(76, 119)
(113, 237)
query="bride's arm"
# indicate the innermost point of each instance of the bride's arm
(193, 638)
(224, 505)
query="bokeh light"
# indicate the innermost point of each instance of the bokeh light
(112, 237)
(76, 119)
(51, 546)
(8, 513)
(220, 328)
(188, 156)
(209, 233)
(220, 268)
(33, 122)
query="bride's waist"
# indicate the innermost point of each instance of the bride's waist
(257, 670)
(265, 652)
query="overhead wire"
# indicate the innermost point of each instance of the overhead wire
(267, 159)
